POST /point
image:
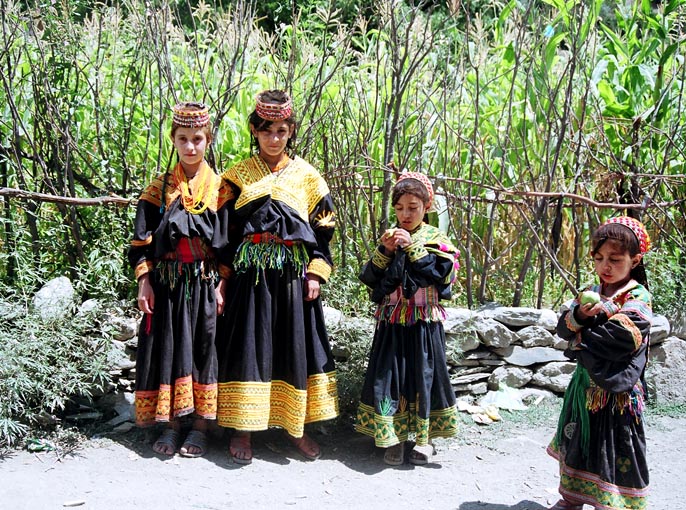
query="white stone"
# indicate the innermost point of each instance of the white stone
(554, 376)
(332, 317)
(494, 334)
(666, 372)
(514, 377)
(125, 328)
(536, 336)
(459, 320)
(55, 299)
(89, 306)
(659, 329)
(521, 316)
(462, 342)
(524, 357)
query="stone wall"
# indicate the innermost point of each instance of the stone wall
(518, 347)
(491, 347)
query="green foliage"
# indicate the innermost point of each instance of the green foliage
(45, 364)
(672, 410)
(272, 13)
(496, 100)
(666, 276)
(351, 342)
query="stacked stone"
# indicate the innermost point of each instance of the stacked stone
(517, 347)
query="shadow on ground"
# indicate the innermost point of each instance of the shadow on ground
(480, 505)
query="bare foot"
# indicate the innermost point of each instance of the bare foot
(240, 448)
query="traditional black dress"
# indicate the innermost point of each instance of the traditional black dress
(276, 367)
(407, 386)
(600, 443)
(185, 253)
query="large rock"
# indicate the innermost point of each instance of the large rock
(679, 324)
(523, 357)
(332, 317)
(536, 336)
(493, 334)
(554, 376)
(55, 299)
(459, 321)
(666, 372)
(124, 328)
(462, 342)
(514, 377)
(520, 317)
(659, 330)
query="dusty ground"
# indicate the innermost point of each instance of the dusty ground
(495, 468)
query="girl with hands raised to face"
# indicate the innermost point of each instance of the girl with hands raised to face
(407, 388)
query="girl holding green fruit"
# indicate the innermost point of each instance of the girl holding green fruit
(600, 440)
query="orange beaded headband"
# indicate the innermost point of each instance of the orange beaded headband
(191, 114)
(637, 228)
(273, 111)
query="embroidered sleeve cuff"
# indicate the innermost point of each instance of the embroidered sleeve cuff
(143, 268)
(224, 271)
(610, 308)
(379, 259)
(570, 320)
(320, 268)
(416, 251)
(141, 242)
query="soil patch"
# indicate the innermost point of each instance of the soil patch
(493, 468)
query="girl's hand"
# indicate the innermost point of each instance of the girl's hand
(146, 296)
(395, 238)
(220, 293)
(312, 287)
(589, 310)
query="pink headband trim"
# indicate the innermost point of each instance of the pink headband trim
(421, 178)
(637, 228)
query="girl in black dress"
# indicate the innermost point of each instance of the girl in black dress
(600, 441)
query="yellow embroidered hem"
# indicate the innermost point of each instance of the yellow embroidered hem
(253, 406)
(167, 403)
(391, 430)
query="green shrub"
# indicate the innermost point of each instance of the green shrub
(351, 340)
(43, 365)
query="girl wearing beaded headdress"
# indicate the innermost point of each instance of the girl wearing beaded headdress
(276, 367)
(407, 387)
(180, 255)
(600, 441)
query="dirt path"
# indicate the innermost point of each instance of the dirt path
(480, 470)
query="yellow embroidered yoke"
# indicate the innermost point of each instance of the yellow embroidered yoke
(293, 204)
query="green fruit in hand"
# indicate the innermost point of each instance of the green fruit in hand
(588, 297)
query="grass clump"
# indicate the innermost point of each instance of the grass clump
(43, 365)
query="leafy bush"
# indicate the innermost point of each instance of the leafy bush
(43, 365)
(351, 340)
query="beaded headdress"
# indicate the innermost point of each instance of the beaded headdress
(191, 114)
(421, 178)
(273, 111)
(637, 228)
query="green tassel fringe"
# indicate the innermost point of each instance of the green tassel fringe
(170, 272)
(575, 406)
(263, 256)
